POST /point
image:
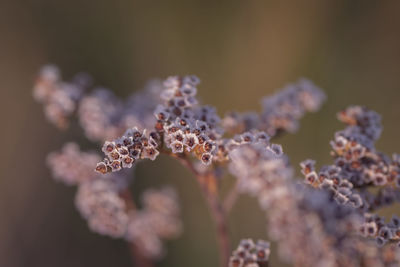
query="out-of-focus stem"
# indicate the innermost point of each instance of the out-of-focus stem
(231, 198)
(138, 259)
(219, 216)
(208, 185)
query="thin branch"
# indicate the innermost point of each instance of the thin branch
(138, 259)
(231, 198)
(219, 216)
(208, 185)
(184, 161)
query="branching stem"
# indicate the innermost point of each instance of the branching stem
(208, 185)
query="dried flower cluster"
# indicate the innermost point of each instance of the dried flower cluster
(358, 168)
(331, 179)
(157, 221)
(59, 98)
(311, 228)
(99, 203)
(101, 114)
(250, 254)
(104, 116)
(182, 126)
(280, 112)
(123, 152)
(329, 220)
(71, 165)
(100, 200)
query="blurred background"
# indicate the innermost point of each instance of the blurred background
(241, 50)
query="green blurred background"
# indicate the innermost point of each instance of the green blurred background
(241, 50)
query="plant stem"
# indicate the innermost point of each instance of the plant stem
(231, 198)
(138, 258)
(208, 185)
(219, 216)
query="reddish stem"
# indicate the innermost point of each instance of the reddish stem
(208, 185)
(219, 217)
(138, 258)
(231, 198)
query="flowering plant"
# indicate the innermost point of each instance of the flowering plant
(329, 219)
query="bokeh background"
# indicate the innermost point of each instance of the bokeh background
(241, 50)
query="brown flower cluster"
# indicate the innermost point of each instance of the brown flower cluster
(329, 220)
(357, 170)
(250, 254)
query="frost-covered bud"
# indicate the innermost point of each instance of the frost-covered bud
(150, 153)
(371, 228)
(189, 89)
(247, 137)
(395, 221)
(177, 147)
(262, 254)
(116, 165)
(235, 261)
(247, 244)
(344, 191)
(202, 139)
(206, 158)
(108, 147)
(123, 152)
(385, 233)
(277, 149)
(189, 126)
(380, 241)
(250, 254)
(102, 168)
(178, 136)
(190, 141)
(161, 113)
(355, 200)
(379, 179)
(127, 161)
(311, 177)
(307, 166)
(209, 146)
